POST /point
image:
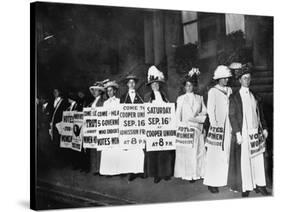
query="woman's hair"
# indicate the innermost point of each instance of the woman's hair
(115, 91)
(193, 82)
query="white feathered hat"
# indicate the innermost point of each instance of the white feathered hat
(154, 75)
(222, 72)
(192, 76)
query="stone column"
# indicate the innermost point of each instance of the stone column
(158, 37)
(148, 38)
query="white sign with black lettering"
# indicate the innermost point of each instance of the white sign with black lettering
(89, 128)
(160, 126)
(107, 127)
(132, 126)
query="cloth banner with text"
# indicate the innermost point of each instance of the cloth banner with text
(185, 135)
(256, 142)
(215, 137)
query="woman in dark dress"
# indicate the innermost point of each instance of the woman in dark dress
(158, 164)
(97, 90)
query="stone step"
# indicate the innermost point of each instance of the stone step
(259, 74)
(262, 80)
(262, 88)
(266, 89)
(262, 68)
(259, 81)
(266, 94)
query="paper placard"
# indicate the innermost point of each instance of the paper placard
(160, 126)
(77, 134)
(66, 128)
(132, 126)
(107, 127)
(89, 128)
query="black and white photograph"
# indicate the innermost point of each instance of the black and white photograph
(134, 106)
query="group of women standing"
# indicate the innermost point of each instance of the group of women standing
(202, 160)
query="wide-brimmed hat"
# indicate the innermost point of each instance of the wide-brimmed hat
(235, 65)
(105, 81)
(98, 86)
(131, 76)
(245, 69)
(222, 72)
(113, 84)
(192, 76)
(154, 75)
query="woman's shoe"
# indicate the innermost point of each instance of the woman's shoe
(143, 176)
(213, 189)
(245, 194)
(262, 190)
(167, 178)
(132, 177)
(157, 179)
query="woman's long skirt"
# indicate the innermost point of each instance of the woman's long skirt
(159, 163)
(116, 161)
(189, 163)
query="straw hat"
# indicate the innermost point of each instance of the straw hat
(111, 84)
(245, 69)
(98, 86)
(131, 76)
(235, 65)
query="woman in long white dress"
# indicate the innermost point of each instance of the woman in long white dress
(191, 112)
(110, 158)
(117, 161)
(217, 157)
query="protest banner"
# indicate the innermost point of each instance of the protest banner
(77, 134)
(160, 126)
(66, 127)
(215, 137)
(185, 135)
(107, 127)
(256, 142)
(89, 128)
(132, 126)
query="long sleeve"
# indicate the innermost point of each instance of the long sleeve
(203, 114)
(204, 108)
(200, 117)
(261, 113)
(233, 115)
(211, 107)
(179, 109)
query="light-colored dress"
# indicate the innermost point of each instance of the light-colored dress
(217, 159)
(189, 163)
(116, 161)
(110, 158)
(252, 169)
